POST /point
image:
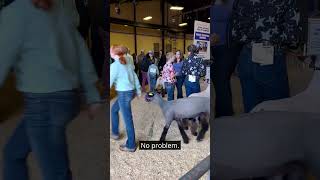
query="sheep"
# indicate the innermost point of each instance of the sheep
(258, 144)
(194, 125)
(205, 93)
(307, 101)
(182, 109)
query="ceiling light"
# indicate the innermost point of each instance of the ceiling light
(183, 24)
(126, 25)
(147, 18)
(176, 8)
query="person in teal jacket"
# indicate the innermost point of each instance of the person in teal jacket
(127, 85)
(50, 61)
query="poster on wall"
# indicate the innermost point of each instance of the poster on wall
(201, 38)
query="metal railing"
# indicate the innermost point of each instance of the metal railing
(198, 171)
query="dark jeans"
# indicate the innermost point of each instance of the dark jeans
(152, 83)
(262, 83)
(179, 84)
(123, 103)
(191, 87)
(42, 131)
(225, 61)
(170, 90)
(144, 80)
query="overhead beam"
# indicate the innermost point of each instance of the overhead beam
(145, 25)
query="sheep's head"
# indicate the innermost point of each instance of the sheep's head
(150, 96)
(153, 97)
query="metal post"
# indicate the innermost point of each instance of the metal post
(184, 43)
(163, 16)
(134, 26)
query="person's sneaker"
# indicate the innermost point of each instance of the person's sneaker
(115, 137)
(123, 147)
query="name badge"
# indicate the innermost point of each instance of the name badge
(192, 78)
(262, 54)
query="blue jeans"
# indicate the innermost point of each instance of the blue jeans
(224, 64)
(123, 103)
(262, 83)
(179, 84)
(191, 87)
(42, 131)
(153, 82)
(170, 90)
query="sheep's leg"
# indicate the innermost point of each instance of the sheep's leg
(165, 131)
(203, 119)
(194, 127)
(182, 132)
(185, 124)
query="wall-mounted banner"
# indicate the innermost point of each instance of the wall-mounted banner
(201, 38)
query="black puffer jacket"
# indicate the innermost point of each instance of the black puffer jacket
(145, 64)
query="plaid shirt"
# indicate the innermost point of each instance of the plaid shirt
(276, 21)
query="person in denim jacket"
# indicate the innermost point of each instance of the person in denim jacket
(273, 23)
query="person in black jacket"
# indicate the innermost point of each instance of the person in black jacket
(162, 60)
(144, 67)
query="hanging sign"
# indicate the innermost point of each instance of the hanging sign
(202, 39)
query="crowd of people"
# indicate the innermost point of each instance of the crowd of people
(128, 72)
(173, 70)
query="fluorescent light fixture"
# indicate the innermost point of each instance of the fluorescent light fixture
(176, 8)
(147, 18)
(183, 24)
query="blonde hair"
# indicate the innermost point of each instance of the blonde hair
(119, 50)
(170, 55)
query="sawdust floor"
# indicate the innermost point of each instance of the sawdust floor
(144, 165)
